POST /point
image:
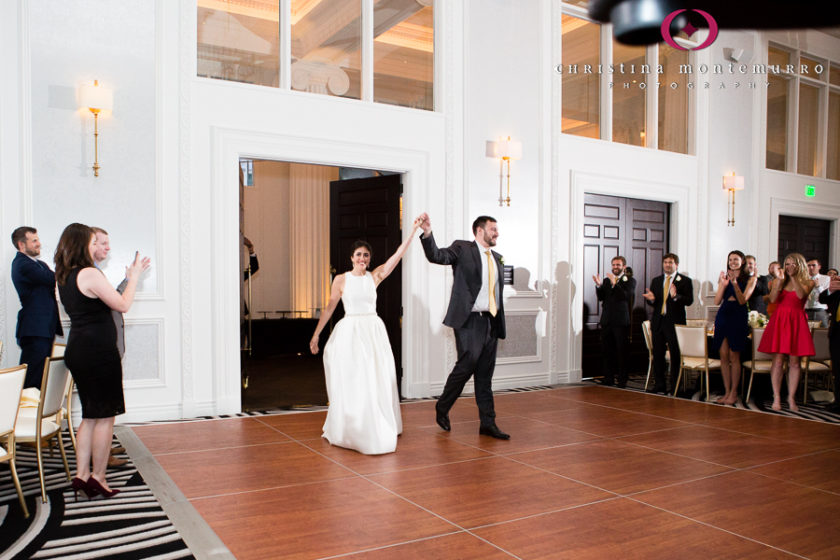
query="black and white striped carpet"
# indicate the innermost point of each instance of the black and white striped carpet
(129, 526)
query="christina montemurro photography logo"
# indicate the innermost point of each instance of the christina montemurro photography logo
(679, 19)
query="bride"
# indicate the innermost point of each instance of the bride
(364, 411)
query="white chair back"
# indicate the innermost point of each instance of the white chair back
(58, 350)
(11, 384)
(692, 341)
(53, 386)
(757, 334)
(648, 336)
(821, 345)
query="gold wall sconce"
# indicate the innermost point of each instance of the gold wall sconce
(505, 149)
(96, 99)
(732, 183)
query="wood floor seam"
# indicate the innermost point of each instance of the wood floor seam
(545, 513)
(713, 526)
(220, 449)
(269, 488)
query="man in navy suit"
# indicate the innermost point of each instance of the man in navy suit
(669, 294)
(476, 312)
(831, 297)
(38, 321)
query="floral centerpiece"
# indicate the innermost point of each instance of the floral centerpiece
(756, 319)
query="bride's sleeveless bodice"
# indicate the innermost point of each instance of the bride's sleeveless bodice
(359, 296)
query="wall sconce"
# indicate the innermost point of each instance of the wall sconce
(96, 99)
(732, 183)
(505, 150)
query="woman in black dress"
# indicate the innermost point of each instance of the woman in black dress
(735, 286)
(91, 355)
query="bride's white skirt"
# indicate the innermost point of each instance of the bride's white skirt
(364, 411)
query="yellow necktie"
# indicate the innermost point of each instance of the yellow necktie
(665, 293)
(491, 284)
(837, 315)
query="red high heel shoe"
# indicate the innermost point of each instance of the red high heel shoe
(79, 485)
(96, 487)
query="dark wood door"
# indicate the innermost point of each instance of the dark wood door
(369, 209)
(637, 230)
(808, 236)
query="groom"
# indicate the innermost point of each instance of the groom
(476, 312)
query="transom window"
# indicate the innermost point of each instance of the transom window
(374, 50)
(803, 113)
(633, 95)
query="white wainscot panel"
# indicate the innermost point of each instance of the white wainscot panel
(522, 343)
(143, 353)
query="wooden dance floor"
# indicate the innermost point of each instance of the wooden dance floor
(589, 472)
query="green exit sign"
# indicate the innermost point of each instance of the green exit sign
(810, 191)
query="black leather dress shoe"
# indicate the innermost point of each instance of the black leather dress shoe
(493, 431)
(443, 421)
(656, 390)
(606, 382)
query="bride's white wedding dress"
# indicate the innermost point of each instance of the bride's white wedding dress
(364, 411)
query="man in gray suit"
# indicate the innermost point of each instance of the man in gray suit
(102, 247)
(476, 312)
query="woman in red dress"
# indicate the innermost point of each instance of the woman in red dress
(787, 333)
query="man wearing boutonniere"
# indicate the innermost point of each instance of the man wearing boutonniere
(669, 295)
(615, 293)
(476, 313)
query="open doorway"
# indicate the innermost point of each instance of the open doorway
(289, 215)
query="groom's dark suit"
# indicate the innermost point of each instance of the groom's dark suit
(476, 334)
(662, 326)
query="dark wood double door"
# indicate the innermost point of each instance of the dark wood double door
(809, 236)
(370, 209)
(638, 231)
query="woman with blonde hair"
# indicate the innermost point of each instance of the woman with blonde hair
(787, 333)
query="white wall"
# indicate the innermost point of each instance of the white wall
(55, 47)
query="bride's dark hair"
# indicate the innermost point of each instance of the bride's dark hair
(358, 244)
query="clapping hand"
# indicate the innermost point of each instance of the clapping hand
(597, 279)
(673, 291)
(138, 267)
(834, 284)
(612, 278)
(723, 279)
(648, 295)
